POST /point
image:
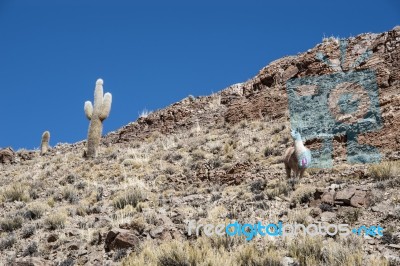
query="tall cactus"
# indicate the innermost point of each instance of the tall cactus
(44, 145)
(96, 113)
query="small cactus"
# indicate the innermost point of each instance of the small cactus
(44, 145)
(96, 114)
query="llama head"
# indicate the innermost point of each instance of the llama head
(295, 134)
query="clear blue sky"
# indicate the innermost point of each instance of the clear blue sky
(149, 53)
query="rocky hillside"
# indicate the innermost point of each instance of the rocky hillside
(210, 159)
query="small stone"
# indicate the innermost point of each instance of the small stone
(52, 238)
(315, 212)
(376, 209)
(156, 232)
(394, 246)
(288, 261)
(73, 232)
(73, 247)
(334, 187)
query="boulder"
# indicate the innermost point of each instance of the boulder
(120, 239)
(343, 197)
(7, 156)
(360, 199)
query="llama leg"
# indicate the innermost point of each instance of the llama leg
(296, 177)
(288, 170)
(302, 172)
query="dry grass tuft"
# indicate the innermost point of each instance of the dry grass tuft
(56, 220)
(16, 192)
(303, 194)
(384, 170)
(130, 196)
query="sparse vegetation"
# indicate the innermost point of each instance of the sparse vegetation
(351, 215)
(312, 251)
(7, 242)
(70, 194)
(202, 252)
(303, 194)
(276, 188)
(31, 249)
(326, 207)
(16, 192)
(35, 210)
(28, 231)
(130, 196)
(56, 220)
(145, 113)
(384, 170)
(271, 151)
(11, 223)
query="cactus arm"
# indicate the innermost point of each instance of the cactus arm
(88, 110)
(98, 96)
(106, 106)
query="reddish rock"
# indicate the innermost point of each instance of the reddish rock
(120, 239)
(328, 197)
(343, 197)
(360, 199)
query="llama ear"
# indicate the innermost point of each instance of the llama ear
(293, 132)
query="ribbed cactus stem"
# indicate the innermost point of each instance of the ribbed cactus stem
(44, 145)
(97, 113)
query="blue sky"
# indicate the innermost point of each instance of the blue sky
(149, 53)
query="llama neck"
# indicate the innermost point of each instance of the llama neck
(299, 146)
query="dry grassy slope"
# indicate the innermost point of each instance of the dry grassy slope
(209, 159)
